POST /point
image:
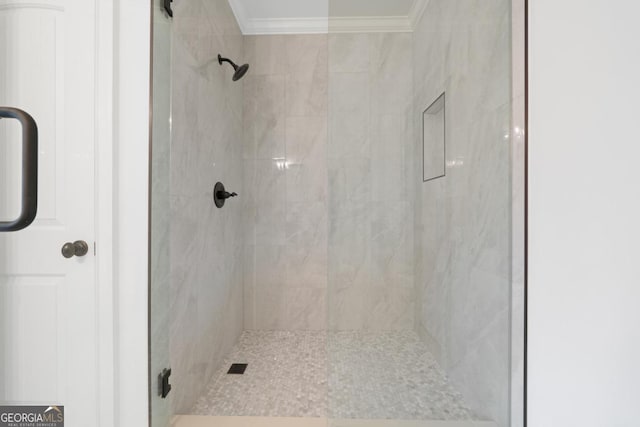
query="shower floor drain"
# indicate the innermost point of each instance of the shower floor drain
(237, 368)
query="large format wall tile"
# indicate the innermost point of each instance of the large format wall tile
(462, 221)
(391, 74)
(329, 197)
(392, 244)
(306, 246)
(349, 245)
(306, 76)
(350, 115)
(286, 186)
(391, 160)
(349, 180)
(270, 203)
(306, 146)
(266, 55)
(349, 53)
(206, 243)
(371, 261)
(268, 125)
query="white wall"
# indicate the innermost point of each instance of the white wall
(584, 213)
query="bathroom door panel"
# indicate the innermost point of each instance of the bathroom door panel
(48, 316)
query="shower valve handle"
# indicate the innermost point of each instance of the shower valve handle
(225, 195)
(220, 194)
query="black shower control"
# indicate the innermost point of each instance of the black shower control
(226, 194)
(163, 383)
(220, 195)
(167, 7)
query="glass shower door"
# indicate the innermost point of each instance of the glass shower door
(419, 270)
(159, 270)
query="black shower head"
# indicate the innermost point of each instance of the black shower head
(240, 71)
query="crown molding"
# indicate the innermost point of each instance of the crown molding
(286, 26)
(364, 24)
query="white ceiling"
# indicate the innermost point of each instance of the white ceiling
(311, 16)
(345, 8)
(281, 9)
(278, 9)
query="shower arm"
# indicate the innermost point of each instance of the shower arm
(221, 60)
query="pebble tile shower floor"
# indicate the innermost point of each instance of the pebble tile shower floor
(350, 375)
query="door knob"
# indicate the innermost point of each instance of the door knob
(77, 248)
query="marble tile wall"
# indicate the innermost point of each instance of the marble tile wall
(327, 198)
(206, 242)
(285, 182)
(370, 187)
(463, 221)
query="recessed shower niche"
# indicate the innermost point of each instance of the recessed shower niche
(434, 140)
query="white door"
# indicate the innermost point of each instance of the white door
(48, 316)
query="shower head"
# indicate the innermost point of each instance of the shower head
(240, 71)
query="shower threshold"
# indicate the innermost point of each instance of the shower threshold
(211, 421)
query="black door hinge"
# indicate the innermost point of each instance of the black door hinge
(167, 7)
(163, 383)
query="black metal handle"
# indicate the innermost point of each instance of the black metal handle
(163, 383)
(167, 7)
(225, 195)
(78, 248)
(220, 194)
(29, 170)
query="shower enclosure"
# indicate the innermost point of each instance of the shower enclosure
(368, 268)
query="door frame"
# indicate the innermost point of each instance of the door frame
(104, 200)
(123, 39)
